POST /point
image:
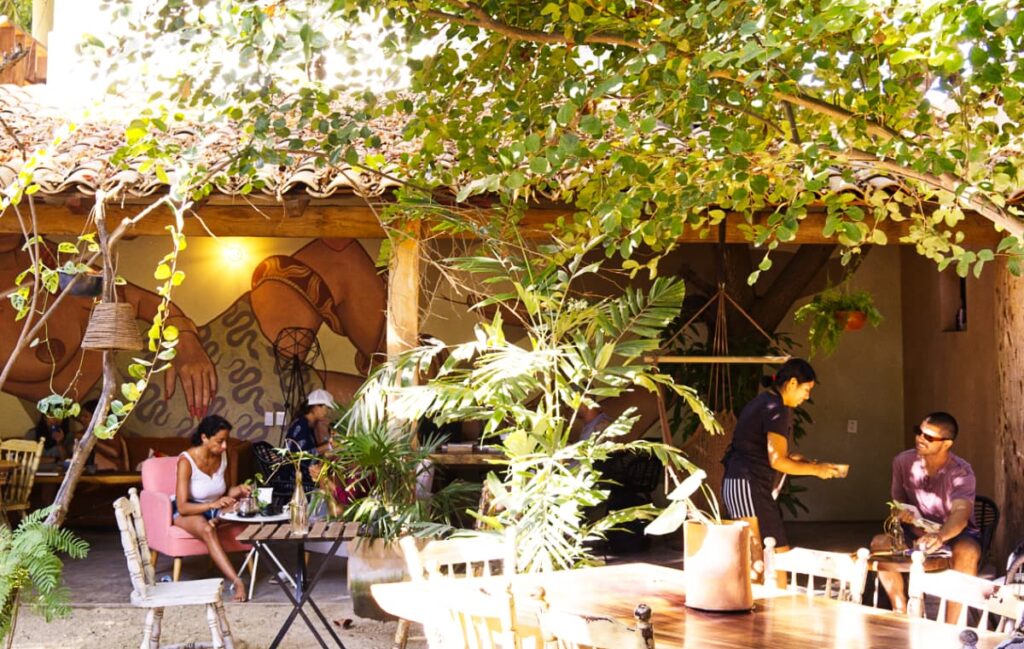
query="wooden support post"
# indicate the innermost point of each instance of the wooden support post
(404, 293)
(404, 300)
(1009, 479)
(42, 20)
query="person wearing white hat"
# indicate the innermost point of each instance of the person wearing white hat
(301, 435)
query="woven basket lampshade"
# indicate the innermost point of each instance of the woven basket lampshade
(112, 327)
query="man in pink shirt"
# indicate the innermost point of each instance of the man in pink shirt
(941, 486)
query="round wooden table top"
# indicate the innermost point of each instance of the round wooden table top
(902, 563)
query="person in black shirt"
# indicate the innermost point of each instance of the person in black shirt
(759, 453)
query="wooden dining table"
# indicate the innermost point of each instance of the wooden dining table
(780, 619)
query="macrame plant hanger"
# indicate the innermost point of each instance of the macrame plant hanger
(705, 448)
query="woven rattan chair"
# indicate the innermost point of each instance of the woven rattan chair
(19, 484)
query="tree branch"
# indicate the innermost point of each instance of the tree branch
(816, 105)
(790, 285)
(485, 21)
(972, 199)
(11, 58)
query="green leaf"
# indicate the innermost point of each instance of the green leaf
(565, 113)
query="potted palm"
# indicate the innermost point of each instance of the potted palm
(385, 477)
(530, 394)
(834, 311)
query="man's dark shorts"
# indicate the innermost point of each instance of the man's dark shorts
(974, 535)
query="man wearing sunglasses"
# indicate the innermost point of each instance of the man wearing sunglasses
(941, 486)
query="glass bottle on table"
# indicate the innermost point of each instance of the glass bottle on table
(299, 507)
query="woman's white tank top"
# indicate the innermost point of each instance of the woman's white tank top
(205, 488)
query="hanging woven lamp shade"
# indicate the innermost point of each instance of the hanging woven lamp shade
(111, 328)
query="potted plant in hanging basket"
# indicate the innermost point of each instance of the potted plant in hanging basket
(834, 311)
(716, 551)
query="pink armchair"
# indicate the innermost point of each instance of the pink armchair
(158, 481)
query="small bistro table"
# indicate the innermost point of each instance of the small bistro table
(901, 563)
(252, 559)
(262, 535)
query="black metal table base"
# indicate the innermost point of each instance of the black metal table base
(303, 594)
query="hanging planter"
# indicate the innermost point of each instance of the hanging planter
(834, 311)
(112, 328)
(851, 320)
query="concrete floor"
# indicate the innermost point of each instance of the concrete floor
(102, 578)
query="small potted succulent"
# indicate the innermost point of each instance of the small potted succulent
(834, 311)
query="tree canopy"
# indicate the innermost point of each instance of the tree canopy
(648, 118)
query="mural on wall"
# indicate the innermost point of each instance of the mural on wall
(228, 367)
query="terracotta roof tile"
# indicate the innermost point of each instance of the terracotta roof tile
(82, 163)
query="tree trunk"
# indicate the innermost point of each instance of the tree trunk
(84, 447)
(1009, 446)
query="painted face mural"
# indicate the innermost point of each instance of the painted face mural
(231, 365)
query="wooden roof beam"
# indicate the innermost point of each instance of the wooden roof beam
(359, 219)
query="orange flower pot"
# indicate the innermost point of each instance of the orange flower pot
(851, 320)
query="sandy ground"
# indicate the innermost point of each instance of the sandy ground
(253, 626)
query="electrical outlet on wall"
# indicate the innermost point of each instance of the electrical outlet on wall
(279, 418)
(851, 426)
(268, 418)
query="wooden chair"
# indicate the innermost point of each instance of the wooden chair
(986, 516)
(950, 586)
(148, 594)
(479, 555)
(19, 485)
(482, 619)
(561, 630)
(848, 574)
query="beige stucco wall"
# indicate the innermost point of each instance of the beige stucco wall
(952, 371)
(863, 381)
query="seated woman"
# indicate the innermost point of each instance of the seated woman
(201, 492)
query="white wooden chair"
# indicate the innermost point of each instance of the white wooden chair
(477, 555)
(952, 587)
(148, 594)
(848, 574)
(19, 484)
(561, 630)
(481, 619)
